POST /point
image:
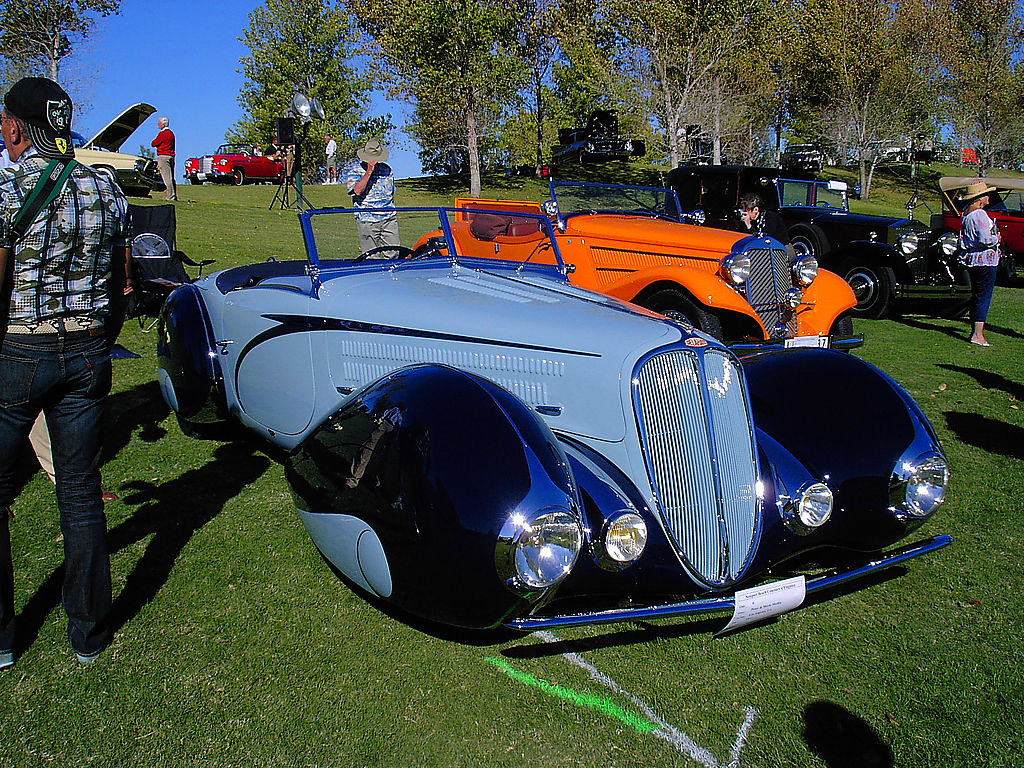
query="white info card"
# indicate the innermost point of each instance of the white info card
(763, 602)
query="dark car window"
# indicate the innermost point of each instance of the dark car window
(795, 193)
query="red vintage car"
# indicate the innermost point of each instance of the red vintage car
(233, 164)
(1006, 206)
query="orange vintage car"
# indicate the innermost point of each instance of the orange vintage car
(628, 242)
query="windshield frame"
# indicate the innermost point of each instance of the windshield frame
(446, 215)
(672, 210)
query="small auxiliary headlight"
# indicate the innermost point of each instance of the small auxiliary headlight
(736, 268)
(793, 298)
(908, 242)
(809, 509)
(804, 269)
(625, 537)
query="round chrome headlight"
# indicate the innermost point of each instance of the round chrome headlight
(804, 269)
(538, 550)
(793, 298)
(949, 244)
(926, 482)
(908, 242)
(625, 537)
(736, 268)
(810, 509)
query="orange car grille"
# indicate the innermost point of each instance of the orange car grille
(767, 286)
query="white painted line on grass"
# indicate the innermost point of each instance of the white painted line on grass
(667, 732)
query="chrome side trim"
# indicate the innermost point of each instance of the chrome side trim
(726, 602)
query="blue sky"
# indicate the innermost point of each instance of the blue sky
(182, 58)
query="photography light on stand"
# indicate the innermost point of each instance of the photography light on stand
(304, 111)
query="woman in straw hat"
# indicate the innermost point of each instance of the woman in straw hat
(979, 245)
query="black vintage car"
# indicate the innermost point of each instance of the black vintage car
(597, 141)
(883, 258)
(803, 157)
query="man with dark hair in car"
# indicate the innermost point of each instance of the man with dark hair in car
(761, 220)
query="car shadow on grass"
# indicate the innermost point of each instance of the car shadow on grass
(842, 739)
(959, 333)
(988, 434)
(989, 380)
(169, 514)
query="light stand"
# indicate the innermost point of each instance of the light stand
(305, 110)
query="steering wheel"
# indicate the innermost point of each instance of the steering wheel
(400, 251)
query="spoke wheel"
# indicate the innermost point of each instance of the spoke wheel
(676, 305)
(873, 286)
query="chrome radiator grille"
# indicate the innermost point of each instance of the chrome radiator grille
(206, 165)
(698, 441)
(767, 286)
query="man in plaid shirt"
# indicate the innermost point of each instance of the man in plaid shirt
(64, 274)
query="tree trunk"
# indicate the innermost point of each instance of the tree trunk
(539, 85)
(471, 146)
(717, 145)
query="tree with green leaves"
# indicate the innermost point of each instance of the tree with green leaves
(304, 46)
(986, 80)
(869, 73)
(455, 60)
(43, 33)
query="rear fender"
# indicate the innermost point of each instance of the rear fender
(188, 366)
(406, 489)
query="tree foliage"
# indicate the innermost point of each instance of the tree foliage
(986, 79)
(41, 34)
(304, 46)
(454, 60)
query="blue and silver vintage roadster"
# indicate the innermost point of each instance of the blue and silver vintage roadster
(480, 443)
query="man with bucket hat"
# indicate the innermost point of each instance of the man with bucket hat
(372, 186)
(979, 250)
(64, 231)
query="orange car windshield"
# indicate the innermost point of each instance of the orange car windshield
(583, 197)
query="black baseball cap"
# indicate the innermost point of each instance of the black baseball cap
(46, 109)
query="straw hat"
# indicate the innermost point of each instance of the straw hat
(373, 152)
(973, 191)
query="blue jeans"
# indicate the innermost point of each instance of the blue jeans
(68, 377)
(983, 285)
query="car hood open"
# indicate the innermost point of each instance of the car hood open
(117, 131)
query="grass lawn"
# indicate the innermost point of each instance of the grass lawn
(237, 645)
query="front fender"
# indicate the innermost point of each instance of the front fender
(705, 287)
(406, 488)
(853, 432)
(826, 298)
(871, 252)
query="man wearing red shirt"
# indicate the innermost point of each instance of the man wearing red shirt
(164, 143)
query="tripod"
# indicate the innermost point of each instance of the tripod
(292, 176)
(281, 196)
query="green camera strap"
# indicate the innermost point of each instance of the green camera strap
(50, 184)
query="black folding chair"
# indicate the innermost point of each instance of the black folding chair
(157, 266)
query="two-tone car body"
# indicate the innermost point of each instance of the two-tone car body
(480, 443)
(236, 164)
(629, 242)
(137, 175)
(883, 258)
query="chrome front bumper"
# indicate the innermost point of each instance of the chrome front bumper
(727, 602)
